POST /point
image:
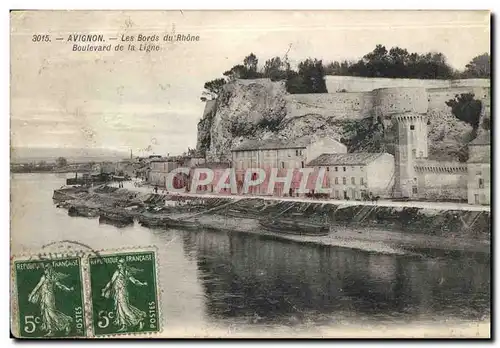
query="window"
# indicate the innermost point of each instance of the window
(414, 153)
(327, 168)
(481, 183)
(344, 180)
(361, 181)
(412, 127)
(414, 190)
(302, 164)
(421, 154)
(283, 165)
(478, 173)
(336, 181)
(336, 169)
(353, 180)
(296, 152)
(344, 169)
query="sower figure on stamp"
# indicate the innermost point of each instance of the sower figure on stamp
(53, 320)
(126, 314)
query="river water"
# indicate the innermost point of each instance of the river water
(218, 280)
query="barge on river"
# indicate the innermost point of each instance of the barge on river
(83, 211)
(152, 221)
(166, 222)
(66, 193)
(115, 218)
(183, 224)
(295, 227)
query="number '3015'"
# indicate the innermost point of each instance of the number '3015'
(41, 38)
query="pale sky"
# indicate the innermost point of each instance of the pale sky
(130, 100)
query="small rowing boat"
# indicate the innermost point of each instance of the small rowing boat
(295, 227)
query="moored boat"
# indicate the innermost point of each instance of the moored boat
(152, 221)
(67, 193)
(176, 223)
(295, 227)
(83, 211)
(115, 218)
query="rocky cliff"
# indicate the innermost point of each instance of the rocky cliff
(261, 109)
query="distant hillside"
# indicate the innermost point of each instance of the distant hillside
(25, 154)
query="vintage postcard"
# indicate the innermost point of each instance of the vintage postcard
(250, 174)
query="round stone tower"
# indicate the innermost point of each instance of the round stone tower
(407, 107)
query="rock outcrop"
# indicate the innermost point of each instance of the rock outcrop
(262, 109)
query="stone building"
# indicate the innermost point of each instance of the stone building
(357, 175)
(126, 167)
(218, 169)
(159, 169)
(417, 176)
(280, 155)
(440, 180)
(283, 154)
(479, 170)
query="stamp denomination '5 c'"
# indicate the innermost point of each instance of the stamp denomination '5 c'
(124, 293)
(50, 298)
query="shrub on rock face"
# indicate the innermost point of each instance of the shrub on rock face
(466, 108)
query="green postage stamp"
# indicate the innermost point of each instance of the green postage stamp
(50, 298)
(95, 294)
(124, 296)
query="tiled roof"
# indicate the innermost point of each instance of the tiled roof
(355, 158)
(482, 139)
(213, 165)
(272, 144)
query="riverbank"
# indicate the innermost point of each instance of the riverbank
(395, 230)
(369, 239)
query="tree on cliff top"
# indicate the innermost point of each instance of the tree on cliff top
(276, 69)
(310, 78)
(250, 63)
(247, 70)
(338, 68)
(478, 67)
(212, 89)
(466, 109)
(395, 63)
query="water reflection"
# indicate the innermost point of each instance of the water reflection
(210, 277)
(246, 276)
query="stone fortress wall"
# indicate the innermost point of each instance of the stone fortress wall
(433, 179)
(360, 97)
(383, 99)
(335, 84)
